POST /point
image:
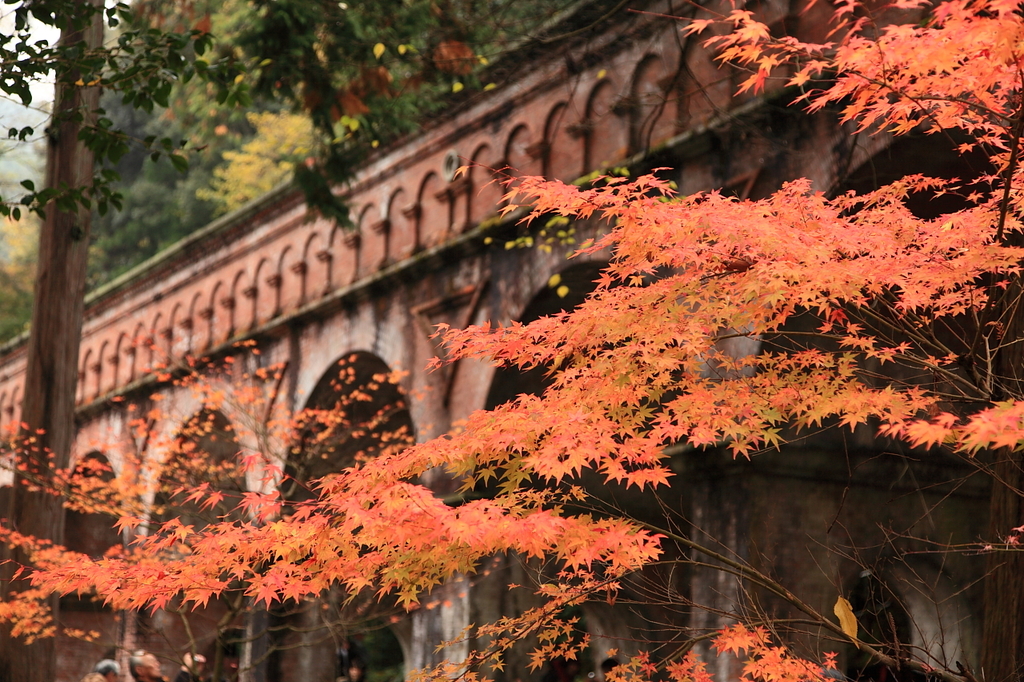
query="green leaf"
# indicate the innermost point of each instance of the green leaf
(179, 162)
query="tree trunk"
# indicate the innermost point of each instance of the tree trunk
(1002, 650)
(1003, 639)
(48, 407)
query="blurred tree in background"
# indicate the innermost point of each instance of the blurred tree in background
(361, 74)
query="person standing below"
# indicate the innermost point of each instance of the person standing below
(145, 667)
(191, 668)
(347, 652)
(109, 669)
(356, 670)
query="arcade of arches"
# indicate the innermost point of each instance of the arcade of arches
(348, 317)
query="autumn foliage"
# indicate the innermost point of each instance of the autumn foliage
(696, 333)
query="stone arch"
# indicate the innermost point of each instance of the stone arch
(14, 407)
(83, 375)
(316, 274)
(458, 196)
(486, 190)
(235, 302)
(263, 292)
(118, 362)
(172, 339)
(372, 240)
(352, 395)
(882, 621)
(204, 451)
(652, 105)
(7, 413)
(356, 410)
(95, 372)
(90, 532)
(295, 274)
(579, 278)
(434, 219)
(135, 351)
(687, 93)
(401, 219)
(606, 133)
(705, 91)
(910, 602)
(344, 248)
(284, 289)
(245, 306)
(563, 157)
(155, 354)
(887, 162)
(609, 626)
(336, 237)
(523, 155)
(191, 325)
(213, 319)
(942, 621)
(506, 384)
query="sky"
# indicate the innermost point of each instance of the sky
(24, 160)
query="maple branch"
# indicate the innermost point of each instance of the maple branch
(969, 387)
(274, 394)
(908, 330)
(1011, 167)
(919, 100)
(744, 571)
(913, 360)
(188, 631)
(589, 27)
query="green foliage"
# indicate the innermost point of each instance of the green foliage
(368, 71)
(384, 654)
(160, 205)
(363, 72)
(141, 65)
(18, 246)
(262, 163)
(160, 202)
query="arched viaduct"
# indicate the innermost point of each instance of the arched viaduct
(429, 247)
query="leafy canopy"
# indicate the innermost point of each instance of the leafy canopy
(142, 66)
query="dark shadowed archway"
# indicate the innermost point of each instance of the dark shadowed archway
(87, 528)
(608, 625)
(356, 411)
(566, 292)
(89, 518)
(201, 483)
(204, 457)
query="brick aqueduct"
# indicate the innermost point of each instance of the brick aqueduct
(634, 92)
